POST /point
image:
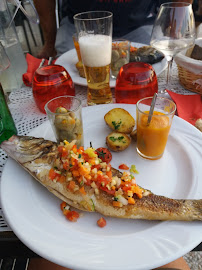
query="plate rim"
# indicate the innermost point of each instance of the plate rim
(81, 81)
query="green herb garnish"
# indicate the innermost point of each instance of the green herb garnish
(101, 154)
(116, 124)
(93, 206)
(113, 139)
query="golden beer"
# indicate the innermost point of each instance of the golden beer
(99, 91)
(96, 57)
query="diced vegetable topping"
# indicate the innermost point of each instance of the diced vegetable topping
(123, 167)
(81, 169)
(101, 222)
(70, 215)
(133, 169)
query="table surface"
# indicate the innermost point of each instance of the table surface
(27, 117)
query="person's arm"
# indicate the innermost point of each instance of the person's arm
(46, 12)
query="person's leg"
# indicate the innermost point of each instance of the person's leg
(64, 40)
(46, 12)
(42, 264)
(179, 264)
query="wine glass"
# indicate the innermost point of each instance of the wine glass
(173, 31)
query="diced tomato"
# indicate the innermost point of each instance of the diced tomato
(80, 150)
(109, 174)
(62, 179)
(117, 204)
(52, 174)
(71, 185)
(74, 148)
(104, 154)
(60, 148)
(123, 167)
(86, 157)
(66, 165)
(63, 151)
(75, 173)
(102, 180)
(65, 212)
(63, 205)
(101, 222)
(112, 192)
(82, 190)
(72, 216)
(126, 188)
(74, 164)
(97, 166)
(131, 201)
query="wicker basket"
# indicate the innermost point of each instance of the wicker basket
(189, 71)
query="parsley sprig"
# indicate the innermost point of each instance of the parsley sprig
(101, 154)
(116, 124)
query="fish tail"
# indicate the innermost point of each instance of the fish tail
(196, 209)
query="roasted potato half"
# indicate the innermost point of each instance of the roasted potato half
(80, 69)
(117, 141)
(120, 120)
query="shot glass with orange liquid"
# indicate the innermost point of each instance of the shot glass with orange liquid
(152, 138)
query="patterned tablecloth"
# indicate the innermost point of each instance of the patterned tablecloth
(27, 116)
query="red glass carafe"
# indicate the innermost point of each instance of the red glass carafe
(49, 82)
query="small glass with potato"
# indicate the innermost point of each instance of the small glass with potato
(65, 116)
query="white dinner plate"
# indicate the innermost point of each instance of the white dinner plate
(69, 59)
(34, 214)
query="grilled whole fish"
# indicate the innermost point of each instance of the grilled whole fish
(146, 54)
(38, 156)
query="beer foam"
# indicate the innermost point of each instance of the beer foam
(95, 50)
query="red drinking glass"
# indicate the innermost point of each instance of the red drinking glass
(49, 82)
(135, 81)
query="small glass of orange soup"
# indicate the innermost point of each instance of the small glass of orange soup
(152, 137)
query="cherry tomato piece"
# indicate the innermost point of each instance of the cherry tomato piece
(72, 216)
(123, 167)
(63, 205)
(101, 222)
(104, 154)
